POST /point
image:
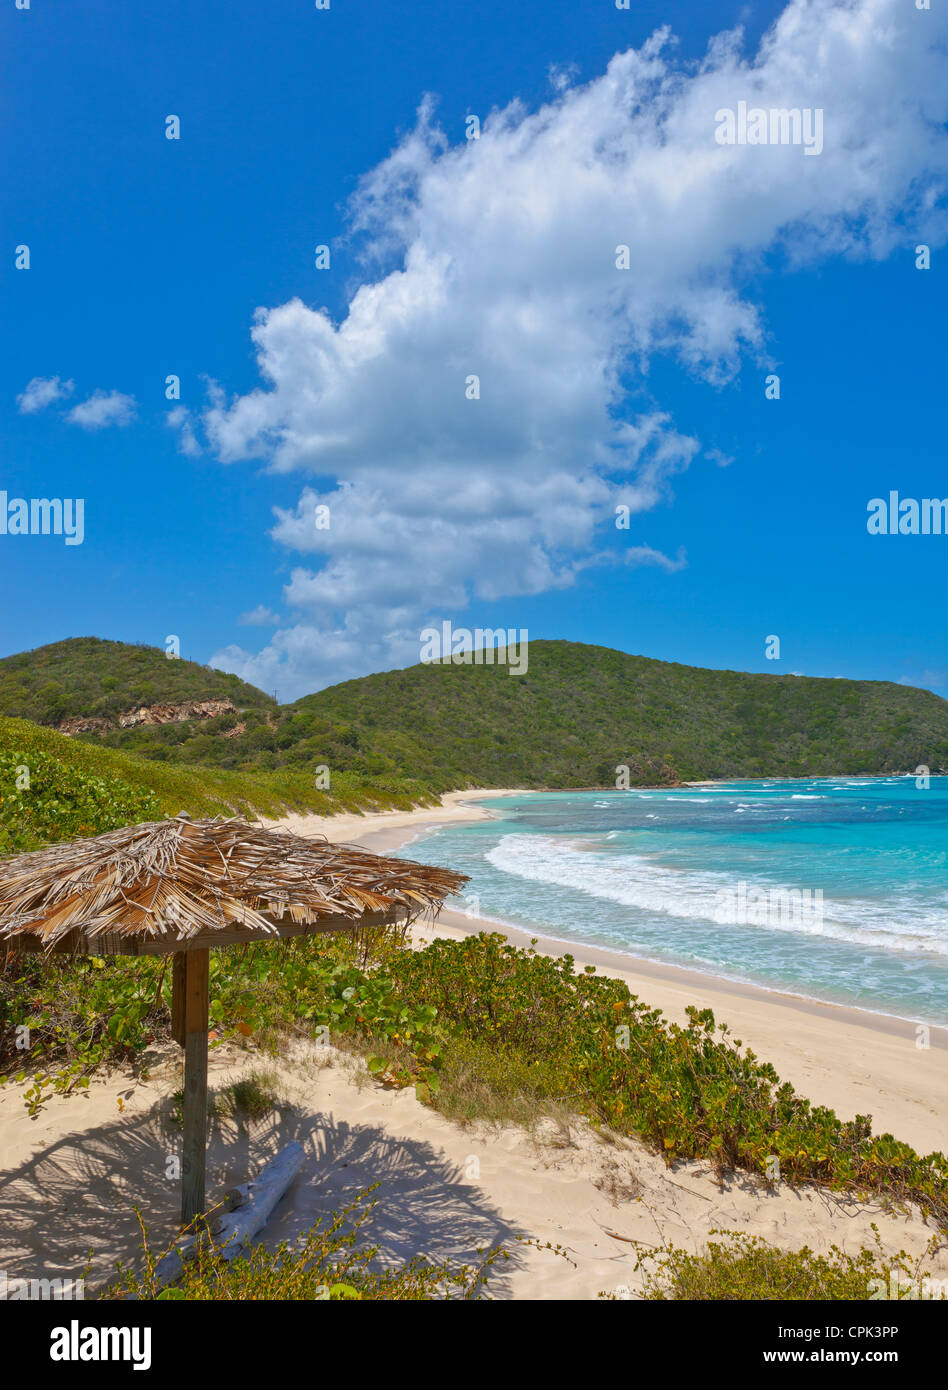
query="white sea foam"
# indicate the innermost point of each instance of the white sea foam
(639, 882)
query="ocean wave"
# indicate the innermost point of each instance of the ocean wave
(639, 883)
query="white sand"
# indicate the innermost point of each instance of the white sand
(71, 1178)
(352, 825)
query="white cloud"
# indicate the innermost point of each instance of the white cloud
(645, 555)
(179, 418)
(43, 391)
(927, 678)
(102, 409)
(497, 258)
(561, 76)
(261, 616)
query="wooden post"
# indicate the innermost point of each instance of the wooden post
(179, 970)
(193, 1006)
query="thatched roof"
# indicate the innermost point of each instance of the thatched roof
(175, 884)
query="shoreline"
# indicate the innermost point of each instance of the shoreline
(338, 828)
(73, 1178)
(857, 1061)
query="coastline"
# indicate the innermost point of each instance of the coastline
(73, 1177)
(339, 828)
(853, 1060)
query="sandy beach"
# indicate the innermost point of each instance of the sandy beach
(856, 1061)
(391, 829)
(72, 1177)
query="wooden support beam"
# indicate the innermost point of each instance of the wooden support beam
(179, 970)
(195, 1012)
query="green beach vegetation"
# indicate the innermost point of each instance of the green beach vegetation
(744, 1267)
(481, 1028)
(56, 788)
(329, 1263)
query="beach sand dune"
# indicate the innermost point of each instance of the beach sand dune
(72, 1179)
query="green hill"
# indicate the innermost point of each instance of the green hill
(580, 711)
(577, 714)
(91, 677)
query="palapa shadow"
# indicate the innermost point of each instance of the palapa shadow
(78, 1196)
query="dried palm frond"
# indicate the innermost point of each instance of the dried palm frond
(165, 885)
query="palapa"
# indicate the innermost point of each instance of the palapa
(180, 887)
(177, 884)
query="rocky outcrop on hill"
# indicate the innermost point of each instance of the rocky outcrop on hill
(150, 714)
(86, 726)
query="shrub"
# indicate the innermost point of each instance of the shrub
(326, 1264)
(691, 1092)
(745, 1267)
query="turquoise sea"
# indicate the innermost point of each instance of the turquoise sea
(835, 888)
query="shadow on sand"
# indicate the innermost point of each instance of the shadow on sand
(78, 1197)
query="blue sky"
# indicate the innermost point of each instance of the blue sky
(494, 257)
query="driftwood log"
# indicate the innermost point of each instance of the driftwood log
(247, 1209)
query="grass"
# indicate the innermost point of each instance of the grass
(498, 1086)
(329, 1263)
(251, 1097)
(54, 788)
(743, 1267)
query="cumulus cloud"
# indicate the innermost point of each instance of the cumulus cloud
(927, 678)
(261, 616)
(179, 418)
(43, 391)
(645, 555)
(498, 260)
(102, 409)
